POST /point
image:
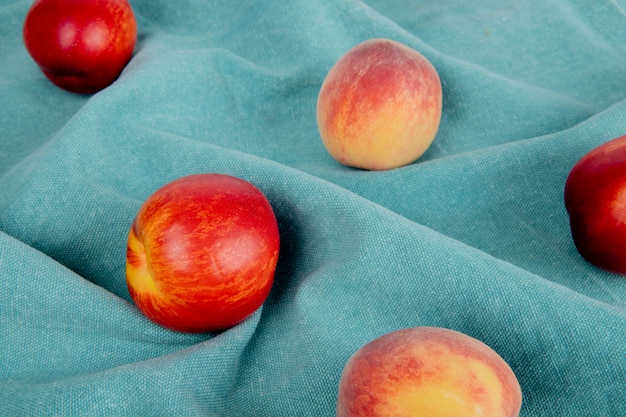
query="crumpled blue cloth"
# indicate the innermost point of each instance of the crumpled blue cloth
(473, 236)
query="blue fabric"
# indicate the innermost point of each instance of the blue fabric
(473, 236)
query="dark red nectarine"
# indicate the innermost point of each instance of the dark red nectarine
(595, 200)
(80, 45)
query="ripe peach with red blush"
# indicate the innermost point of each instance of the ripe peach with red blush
(379, 106)
(80, 45)
(202, 253)
(427, 371)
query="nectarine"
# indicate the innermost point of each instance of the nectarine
(202, 252)
(80, 45)
(595, 200)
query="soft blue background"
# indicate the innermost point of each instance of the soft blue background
(473, 236)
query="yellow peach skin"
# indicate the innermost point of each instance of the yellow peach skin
(424, 372)
(379, 106)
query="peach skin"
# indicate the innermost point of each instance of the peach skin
(424, 372)
(379, 106)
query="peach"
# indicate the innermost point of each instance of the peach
(379, 106)
(427, 371)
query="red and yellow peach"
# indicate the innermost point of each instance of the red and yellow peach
(379, 106)
(427, 371)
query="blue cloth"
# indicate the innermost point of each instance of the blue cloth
(473, 236)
